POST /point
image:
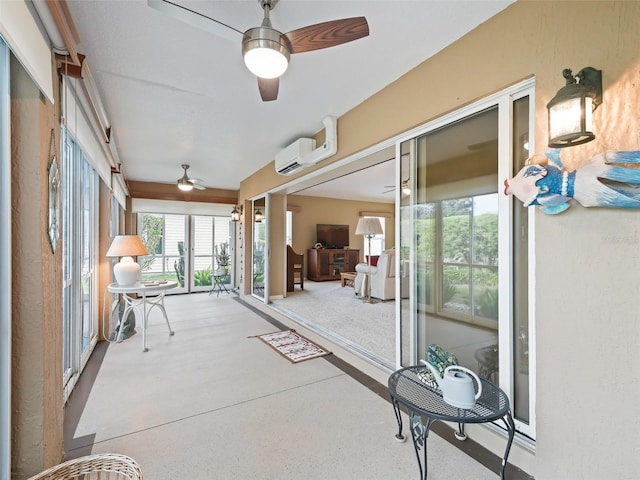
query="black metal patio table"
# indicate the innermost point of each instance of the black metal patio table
(422, 400)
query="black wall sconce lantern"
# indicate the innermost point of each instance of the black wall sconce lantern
(571, 110)
(258, 216)
(236, 213)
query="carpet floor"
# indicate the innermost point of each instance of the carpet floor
(338, 310)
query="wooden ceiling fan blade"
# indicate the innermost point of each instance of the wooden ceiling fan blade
(196, 19)
(268, 88)
(327, 34)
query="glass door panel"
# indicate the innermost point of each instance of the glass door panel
(175, 250)
(458, 243)
(259, 252)
(338, 263)
(202, 228)
(405, 355)
(222, 247)
(164, 235)
(211, 251)
(88, 233)
(521, 330)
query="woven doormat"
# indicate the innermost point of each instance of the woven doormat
(293, 346)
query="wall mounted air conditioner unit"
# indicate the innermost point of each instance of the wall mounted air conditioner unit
(303, 152)
(290, 159)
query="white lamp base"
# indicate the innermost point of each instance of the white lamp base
(127, 272)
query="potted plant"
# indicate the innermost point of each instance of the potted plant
(223, 258)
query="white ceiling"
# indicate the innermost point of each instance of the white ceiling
(367, 184)
(175, 93)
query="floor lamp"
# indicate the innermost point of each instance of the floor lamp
(368, 226)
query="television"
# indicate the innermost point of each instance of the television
(332, 236)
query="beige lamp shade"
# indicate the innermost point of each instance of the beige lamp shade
(127, 272)
(369, 226)
(127, 246)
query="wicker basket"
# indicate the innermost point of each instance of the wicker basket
(104, 466)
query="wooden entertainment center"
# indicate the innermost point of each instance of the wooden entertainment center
(328, 263)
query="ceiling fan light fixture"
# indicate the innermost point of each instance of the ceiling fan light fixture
(266, 52)
(185, 185)
(183, 182)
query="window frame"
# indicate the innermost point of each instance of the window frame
(5, 269)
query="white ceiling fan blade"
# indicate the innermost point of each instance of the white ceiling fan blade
(197, 186)
(196, 19)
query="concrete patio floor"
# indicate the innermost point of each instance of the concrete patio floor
(214, 402)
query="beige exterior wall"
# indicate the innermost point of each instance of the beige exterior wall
(36, 403)
(586, 260)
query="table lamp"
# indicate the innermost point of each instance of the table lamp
(126, 271)
(369, 227)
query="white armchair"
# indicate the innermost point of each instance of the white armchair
(382, 277)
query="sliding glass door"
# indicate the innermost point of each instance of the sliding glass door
(79, 268)
(187, 249)
(165, 236)
(259, 285)
(466, 246)
(211, 251)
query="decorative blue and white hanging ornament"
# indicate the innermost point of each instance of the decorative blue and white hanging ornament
(608, 180)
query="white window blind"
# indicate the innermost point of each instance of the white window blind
(20, 30)
(83, 131)
(187, 208)
(119, 192)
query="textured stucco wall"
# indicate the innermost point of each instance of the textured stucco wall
(36, 405)
(586, 260)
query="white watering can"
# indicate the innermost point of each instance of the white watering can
(457, 385)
